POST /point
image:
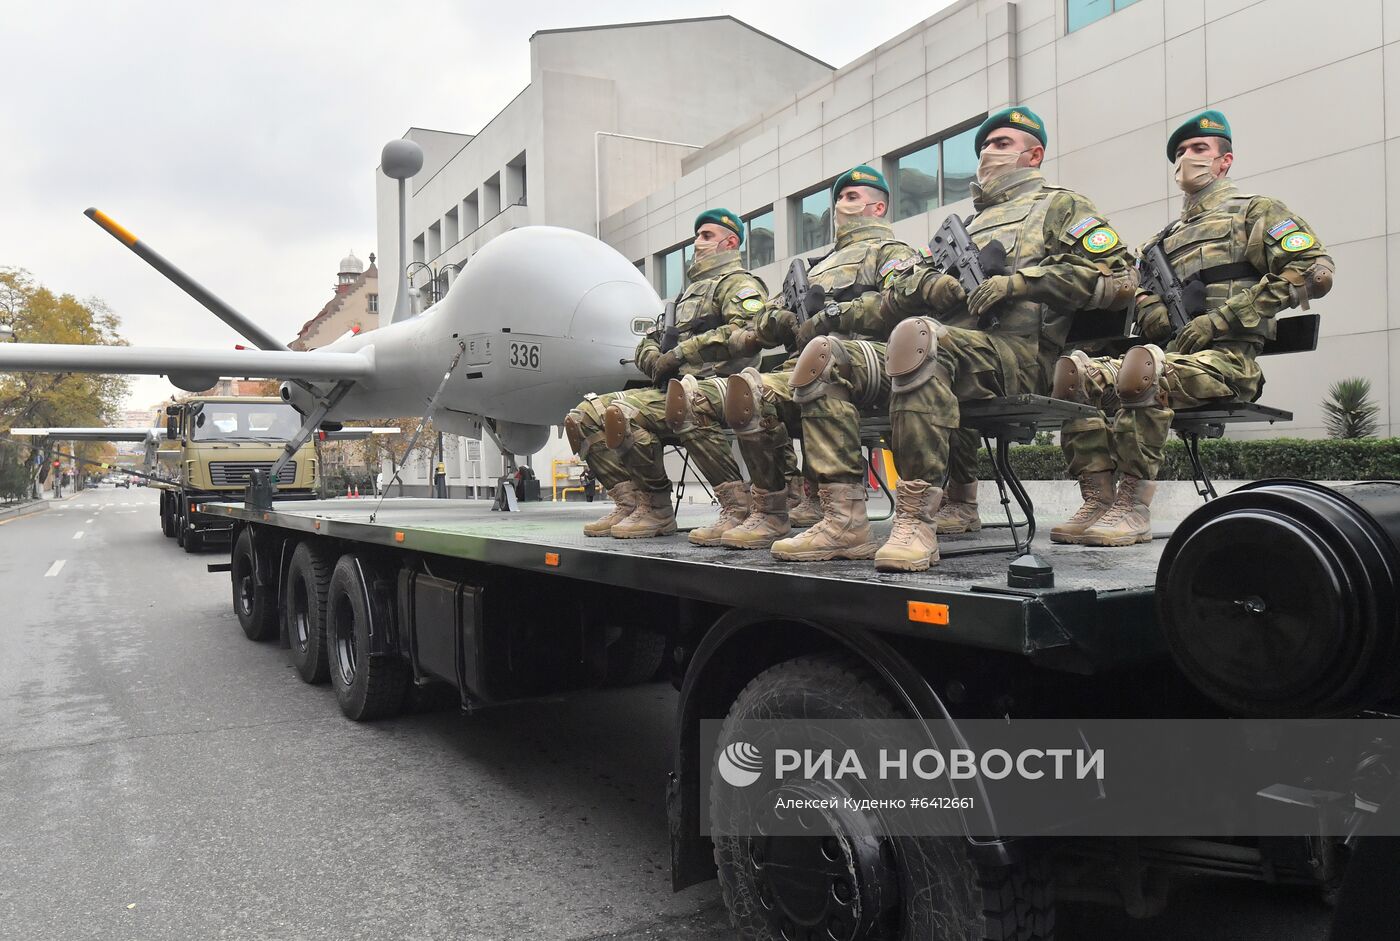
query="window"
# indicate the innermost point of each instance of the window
(1084, 12)
(471, 217)
(491, 198)
(758, 239)
(671, 266)
(812, 220)
(959, 166)
(916, 182)
(450, 232)
(641, 265)
(418, 249)
(435, 240)
(373, 303)
(515, 181)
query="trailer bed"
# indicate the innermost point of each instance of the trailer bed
(1098, 615)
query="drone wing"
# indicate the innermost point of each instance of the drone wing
(194, 370)
(89, 434)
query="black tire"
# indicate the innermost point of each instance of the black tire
(635, 656)
(193, 541)
(366, 687)
(926, 887)
(304, 610)
(255, 604)
(167, 516)
(180, 526)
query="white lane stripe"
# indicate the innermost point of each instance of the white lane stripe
(78, 534)
(89, 520)
(55, 568)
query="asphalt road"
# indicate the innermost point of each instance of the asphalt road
(162, 777)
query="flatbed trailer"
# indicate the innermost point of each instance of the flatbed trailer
(383, 597)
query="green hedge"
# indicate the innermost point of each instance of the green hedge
(1251, 459)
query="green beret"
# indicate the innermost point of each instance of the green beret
(1021, 119)
(1205, 124)
(861, 176)
(723, 218)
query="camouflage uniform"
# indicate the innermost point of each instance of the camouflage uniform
(721, 296)
(1255, 258)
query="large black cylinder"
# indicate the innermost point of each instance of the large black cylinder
(1279, 599)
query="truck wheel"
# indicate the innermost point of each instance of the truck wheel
(846, 881)
(635, 656)
(255, 605)
(194, 539)
(167, 516)
(366, 686)
(304, 610)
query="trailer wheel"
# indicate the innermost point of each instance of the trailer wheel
(304, 610)
(367, 686)
(167, 516)
(255, 605)
(635, 656)
(846, 882)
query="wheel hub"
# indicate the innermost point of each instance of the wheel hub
(838, 883)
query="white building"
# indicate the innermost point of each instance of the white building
(1311, 98)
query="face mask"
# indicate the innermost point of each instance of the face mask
(1194, 172)
(994, 163)
(705, 249)
(849, 215)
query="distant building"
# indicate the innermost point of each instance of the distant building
(355, 306)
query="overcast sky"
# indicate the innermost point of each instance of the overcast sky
(241, 140)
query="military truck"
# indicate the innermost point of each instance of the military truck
(213, 444)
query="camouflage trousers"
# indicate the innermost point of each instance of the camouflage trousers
(925, 432)
(1133, 444)
(769, 455)
(831, 445)
(644, 458)
(605, 463)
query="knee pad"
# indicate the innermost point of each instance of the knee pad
(743, 394)
(1140, 377)
(821, 361)
(1069, 378)
(617, 425)
(911, 359)
(680, 417)
(573, 430)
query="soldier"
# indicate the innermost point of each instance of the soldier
(620, 435)
(1242, 259)
(849, 335)
(1062, 256)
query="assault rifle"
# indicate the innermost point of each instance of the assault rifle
(670, 333)
(800, 295)
(1184, 300)
(954, 253)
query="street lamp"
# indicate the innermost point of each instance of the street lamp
(437, 285)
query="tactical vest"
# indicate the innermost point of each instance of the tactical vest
(700, 307)
(1212, 248)
(853, 270)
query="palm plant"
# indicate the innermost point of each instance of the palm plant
(1348, 409)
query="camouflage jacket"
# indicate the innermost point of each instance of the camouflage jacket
(720, 298)
(866, 259)
(1253, 255)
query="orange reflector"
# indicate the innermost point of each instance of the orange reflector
(551, 558)
(398, 537)
(111, 225)
(925, 612)
(266, 517)
(316, 525)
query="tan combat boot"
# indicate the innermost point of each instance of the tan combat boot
(625, 496)
(1128, 521)
(959, 511)
(733, 496)
(803, 507)
(767, 521)
(1097, 489)
(654, 516)
(913, 542)
(842, 533)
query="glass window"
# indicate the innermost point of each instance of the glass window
(959, 166)
(374, 303)
(813, 229)
(672, 268)
(758, 240)
(1084, 12)
(916, 182)
(272, 421)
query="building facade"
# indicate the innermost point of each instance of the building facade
(1311, 98)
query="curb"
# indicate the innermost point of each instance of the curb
(23, 509)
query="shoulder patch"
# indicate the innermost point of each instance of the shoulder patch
(893, 264)
(1100, 240)
(1283, 228)
(745, 292)
(752, 304)
(1082, 226)
(1297, 241)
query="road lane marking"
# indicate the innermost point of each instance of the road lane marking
(55, 568)
(90, 520)
(78, 534)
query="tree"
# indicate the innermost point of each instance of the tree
(1348, 409)
(38, 315)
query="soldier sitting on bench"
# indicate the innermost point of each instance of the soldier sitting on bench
(1235, 262)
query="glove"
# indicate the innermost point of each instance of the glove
(666, 366)
(1154, 323)
(785, 320)
(1198, 334)
(944, 294)
(993, 291)
(814, 326)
